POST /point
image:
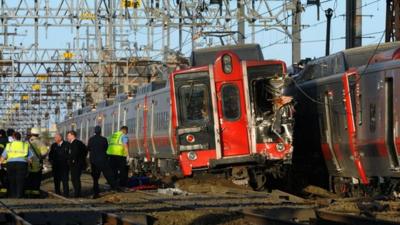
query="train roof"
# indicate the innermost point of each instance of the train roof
(206, 56)
(359, 56)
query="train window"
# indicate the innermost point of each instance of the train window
(131, 123)
(113, 123)
(230, 102)
(124, 117)
(87, 135)
(116, 122)
(193, 103)
(311, 71)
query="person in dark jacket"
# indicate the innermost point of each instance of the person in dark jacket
(97, 147)
(3, 140)
(10, 134)
(77, 161)
(58, 157)
(3, 172)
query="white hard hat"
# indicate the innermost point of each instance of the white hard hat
(35, 130)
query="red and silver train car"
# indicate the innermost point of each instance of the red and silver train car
(348, 115)
(226, 111)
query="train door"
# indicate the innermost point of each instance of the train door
(391, 121)
(329, 125)
(138, 128)
(231, 106)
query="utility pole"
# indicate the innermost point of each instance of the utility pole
(36, 29)
(353, 23)
(296, 31)
(328, 14)
(241, 23)
(392, 20)
(180, 25)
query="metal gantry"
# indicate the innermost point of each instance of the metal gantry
(58, 55)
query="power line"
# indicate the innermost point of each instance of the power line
(317, 24)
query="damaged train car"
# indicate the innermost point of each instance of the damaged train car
(347, 120)
(226, 112)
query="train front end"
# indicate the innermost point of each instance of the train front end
(231, 115)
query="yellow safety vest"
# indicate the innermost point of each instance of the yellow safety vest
(115, 146)
(17, 149)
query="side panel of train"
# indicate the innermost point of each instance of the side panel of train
(147, 118)
(358, 112)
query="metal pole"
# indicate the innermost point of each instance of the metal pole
(396, 10)
(36, 27)
(296, 29)
(328, 14)
(353, 23)
(180, 26)
(392, 20)
(241, 22)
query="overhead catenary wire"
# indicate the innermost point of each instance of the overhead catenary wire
(317, 24)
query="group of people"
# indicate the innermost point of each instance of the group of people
(23, 161)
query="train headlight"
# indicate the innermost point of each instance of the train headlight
(192, 155)
(190, 138)
(227, 63)
(280, 147)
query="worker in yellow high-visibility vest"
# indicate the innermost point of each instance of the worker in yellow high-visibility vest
(118, 154)
(18, 154)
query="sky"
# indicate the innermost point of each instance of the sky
(313, 36)
(274, 43)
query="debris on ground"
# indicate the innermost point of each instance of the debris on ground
(172, 191)
(113, 199)
(209, 183)
(145, 187)
(200, 217)
(318, 192)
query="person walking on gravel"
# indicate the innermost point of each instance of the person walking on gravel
(97, 147)
(118, 153)
(58, 157)
(77, 161)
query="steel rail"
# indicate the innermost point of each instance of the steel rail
(106, 218)
(324, 217)
(15, 218)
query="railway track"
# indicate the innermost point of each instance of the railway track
(10, 217)
(151, 207)
(107, 218)
(311, 216)
(63, 211)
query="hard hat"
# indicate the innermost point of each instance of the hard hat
(35, 130)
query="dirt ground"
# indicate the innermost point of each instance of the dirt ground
(210, 183)
(207, 199)
(199, 217)
(384, 210)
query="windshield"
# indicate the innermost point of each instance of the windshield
(193, 103)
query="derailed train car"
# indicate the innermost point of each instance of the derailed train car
(347, 115)
(226, 112)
